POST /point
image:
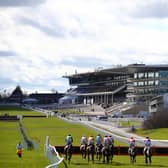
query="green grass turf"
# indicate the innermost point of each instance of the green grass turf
(160, 133)
(17, 111)
(56, 129)
(9, 137)
(38, 128)
(130, 123)
(118, 162)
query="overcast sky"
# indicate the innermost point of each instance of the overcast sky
(42, 40)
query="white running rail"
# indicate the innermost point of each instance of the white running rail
(52, 154)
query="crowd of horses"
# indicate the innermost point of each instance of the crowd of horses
(147, 153)
(102, 152)
(105, 153)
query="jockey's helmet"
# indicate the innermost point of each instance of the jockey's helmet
(132, 139)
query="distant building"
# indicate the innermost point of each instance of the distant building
(133, 83)
(16, 96)
(158, 103)
(46, 98)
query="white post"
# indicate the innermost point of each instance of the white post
(47, 140)
(52, 155)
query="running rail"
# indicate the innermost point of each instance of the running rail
(52, 155)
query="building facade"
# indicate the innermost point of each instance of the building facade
(158, 103)
(16, 96)
(46, 98)
(133, 83)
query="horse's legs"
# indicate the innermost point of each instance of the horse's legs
(65, 154)
(68, 154)
(69, 158)
(97, 153)
(107, 157)
(130, 159)
(150, 160)
(134, 158)
(111, 154)
(88, 155)
(85, 154)
(103, 158)
(100, 155)
(103, 155)
(93, 157)
(146, 159)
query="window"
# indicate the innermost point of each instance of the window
(150, 74)
(146, 74)
(141, 91)
(140, 83)
(164, 83)
(135, 84)
(163, 74)
(151, 83)
(140, 75)
(156, 74)
(135, 75)
(146, 83)
(156, 82)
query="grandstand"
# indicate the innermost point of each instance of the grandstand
(132, 83)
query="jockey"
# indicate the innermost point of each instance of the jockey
(98, 140)
(147, 143)
(83, 140)
(106, 141)
(91, 140)
(69, 140)
(131, 142)
(111, 140)
(19, 149)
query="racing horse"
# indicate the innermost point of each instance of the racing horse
(132, 153)
(90, 151)
(148, 155)
(111, 152)
(106, 153)
(98, 151)
(68, 152)
(83, 151)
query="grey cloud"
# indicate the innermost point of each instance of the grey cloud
(7, 53)
(152, 9)
(15, 3)
(54, 30)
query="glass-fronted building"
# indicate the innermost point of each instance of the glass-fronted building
(134, 83)
(147, 81)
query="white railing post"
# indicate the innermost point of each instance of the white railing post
(52, 154)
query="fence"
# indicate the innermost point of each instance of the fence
(122, 150)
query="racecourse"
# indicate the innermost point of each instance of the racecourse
(37, 129)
